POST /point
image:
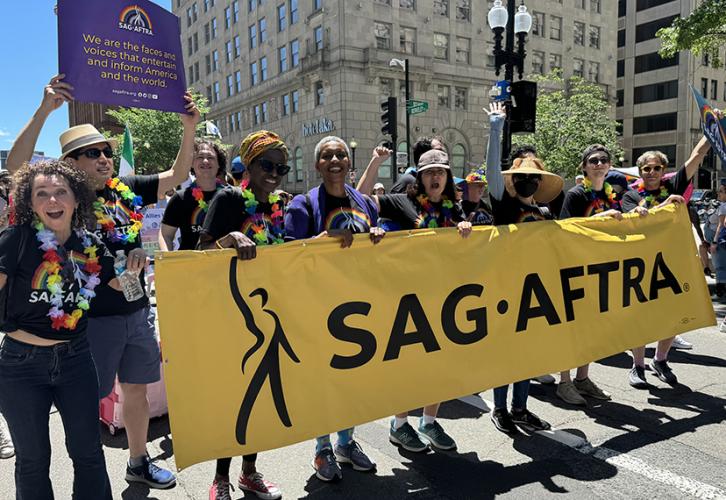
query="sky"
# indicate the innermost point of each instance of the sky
(29, 41)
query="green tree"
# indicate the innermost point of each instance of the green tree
(702, 32)
(571, 115)
(156, 135)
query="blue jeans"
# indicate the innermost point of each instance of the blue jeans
(520, 393)
(31, 379)
(718, 258)
(344, 437)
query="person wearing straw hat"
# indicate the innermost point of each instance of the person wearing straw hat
(518, 195)
(121, 333)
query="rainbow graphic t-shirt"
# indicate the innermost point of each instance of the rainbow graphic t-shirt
(340, 214)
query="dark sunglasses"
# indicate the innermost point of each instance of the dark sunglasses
(522, 177)
(647, 169)
(340, 155)
(94, 153)
(598, 159)
(269, 167)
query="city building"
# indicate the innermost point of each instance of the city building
(311, 68)
(37, 156)
(654, 102)
(95, 114)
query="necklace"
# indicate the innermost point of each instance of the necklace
(106, 220)
(647, 199)
(52, 264)
(599, 202)
(265, 234)
(198, 194)
(430, 215)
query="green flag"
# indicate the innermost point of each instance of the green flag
(127, 155)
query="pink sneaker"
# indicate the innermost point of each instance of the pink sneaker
(220, 490)
(257, 485)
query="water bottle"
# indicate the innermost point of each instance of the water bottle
(130, 284)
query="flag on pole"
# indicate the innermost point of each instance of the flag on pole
(127, 155)
(713, 128)
(212, 129)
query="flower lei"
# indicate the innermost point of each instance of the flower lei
(52, 264)
(264, 233)
(106, 221)
(430, 216)
(198, 195)
(649, 200)
(592, 195)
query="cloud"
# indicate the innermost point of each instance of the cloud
(4, 133)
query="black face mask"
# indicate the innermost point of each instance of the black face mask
(526, 187)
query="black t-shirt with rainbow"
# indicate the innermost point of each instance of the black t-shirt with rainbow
(186, 213)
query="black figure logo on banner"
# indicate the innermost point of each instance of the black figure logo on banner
(269, 367)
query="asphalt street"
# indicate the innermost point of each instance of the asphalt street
(664, 442)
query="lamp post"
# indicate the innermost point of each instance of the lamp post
(503, 19)
(403, 64)
(352, 145)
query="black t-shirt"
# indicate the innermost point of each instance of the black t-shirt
(402, 184)
(581, 203)
(110, 302)
(28, 299)
(407, 213)
(509, 210)
(478, 213)
(675, 185)
(227, 213)
(184, 212)
(339, 214)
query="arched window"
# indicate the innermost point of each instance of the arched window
(299, 174)
(458, 160)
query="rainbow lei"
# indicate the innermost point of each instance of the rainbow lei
(106, 220)
(52, 264)
(198, 195)
(430, 215)
(649, 200)
(265, 234)
(592, 196)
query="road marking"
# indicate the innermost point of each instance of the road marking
(687, 485)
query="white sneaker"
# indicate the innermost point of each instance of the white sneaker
(7, 449)
(722, 326)
(545, 379)
(680, 343)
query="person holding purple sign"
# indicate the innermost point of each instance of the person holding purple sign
(121, 332)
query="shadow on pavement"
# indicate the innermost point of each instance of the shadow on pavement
(158, 427)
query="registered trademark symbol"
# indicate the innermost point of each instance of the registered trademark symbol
(686, 287)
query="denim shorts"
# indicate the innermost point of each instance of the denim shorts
(125, 346)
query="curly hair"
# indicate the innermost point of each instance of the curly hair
(83, 217)
(221, 155)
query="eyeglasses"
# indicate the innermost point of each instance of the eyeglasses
(647, 168)
(95, 153)
(340, 155)
(269, 167)
(598, 159)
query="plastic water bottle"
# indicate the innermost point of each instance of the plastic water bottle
(130, 284)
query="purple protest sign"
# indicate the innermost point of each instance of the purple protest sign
(121, 53)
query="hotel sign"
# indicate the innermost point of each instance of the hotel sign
(321, 126)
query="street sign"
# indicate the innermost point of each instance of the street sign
(401, 159)
(416, 107)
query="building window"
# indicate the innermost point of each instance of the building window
(295, 52)
(215, 60)
(655, 123)
(257, 113)
(704, 87)
(227, 17)
(319, 94)
(254, 77)
(621, 38)
(263, 30)
(384, 2)
(285, 104)
(237, 47)
(235, 11)
(265, 115)
(580, 4)
(555, 28)
(655, 92)
(714, 89)
(190, 47)
(298, 165)
(441, 46)
(593, 73)
(460, 98)
(407, 4)
(458, 160)
(578, 67)
(206, 34)
(595, 6)
(228, 51)
(594, 37)
(442, 92)
(463, 10)
(653, 61)
(230, 85)
(647, 31)
(382, 32)
(647, 4)
(206, 5)
(194, 12)
(537, 62)
(252, 5)
(282, 57)
(190, 72)
(208, 64)
(538, 24)
(281, 17)
(620, 94)
(295, 101)
(491, 60)
(238, 81)
(621, 68)
(253, 36)
(385, 87)
(317, 5)
(214, 28)
(210, 97)
(441, 8)
(263, 69)
(463, 49)
(408, 40)
(578, 34)
(294, 13)
(216, 95)
(318, 35)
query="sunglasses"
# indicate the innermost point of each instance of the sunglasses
(340, 155)
(522, 177)
(598, 159)
(269, 167)
(647, 169)
(95, 153)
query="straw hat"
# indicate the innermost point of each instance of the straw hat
(549, 187)
(80, 136)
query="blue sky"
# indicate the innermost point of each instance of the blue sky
(29, 42)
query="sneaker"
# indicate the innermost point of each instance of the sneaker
(352, 454)
(326, 468)
(545, 379)
(406, 438)
(254, 483)
(568, 393)
(7, 449)
(220, 489)
(636, 377)
(588, 388)
(435, 435)
(663, 371)
(722, 326)
(529, 420)
(503, 421)
(680, 343)
(151, 475)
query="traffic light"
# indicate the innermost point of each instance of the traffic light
(388, 118)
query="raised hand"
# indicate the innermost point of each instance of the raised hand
(191, 117)
(495, 108)
(56, 93)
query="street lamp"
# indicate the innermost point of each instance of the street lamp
(352, 145)
(503, 19)
(403, 64)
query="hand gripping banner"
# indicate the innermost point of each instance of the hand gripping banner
(309, 338)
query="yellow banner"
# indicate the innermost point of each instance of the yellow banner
(309, 338)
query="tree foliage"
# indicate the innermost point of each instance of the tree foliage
(702, 32)
(571, 115)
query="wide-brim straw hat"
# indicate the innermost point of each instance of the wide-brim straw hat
(549, 187)
(80, 136)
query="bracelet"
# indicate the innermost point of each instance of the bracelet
(218, 245)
